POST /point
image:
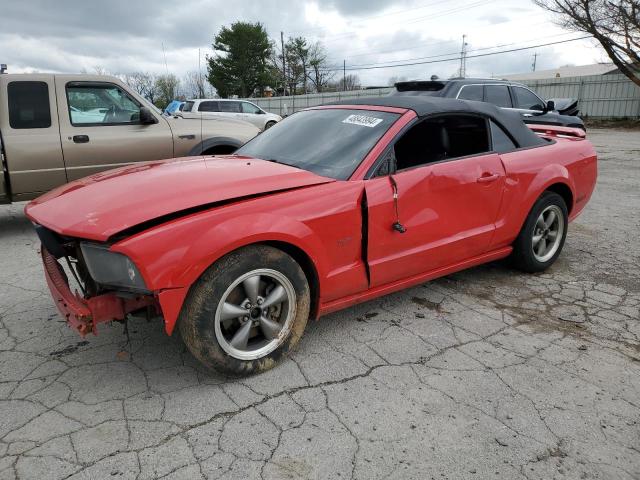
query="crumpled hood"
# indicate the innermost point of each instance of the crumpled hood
(104, 204)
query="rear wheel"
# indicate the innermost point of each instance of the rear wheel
(246, 311)
(543, 234)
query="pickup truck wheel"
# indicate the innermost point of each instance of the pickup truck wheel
(269, 125)
(246, 311)
(542, 237)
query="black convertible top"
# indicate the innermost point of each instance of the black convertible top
(425, 106)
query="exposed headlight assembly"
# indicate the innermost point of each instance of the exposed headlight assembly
(111, 268)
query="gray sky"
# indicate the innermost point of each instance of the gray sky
(125, 36)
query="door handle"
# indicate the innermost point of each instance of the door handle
(81, 138)
(488, 177)
(189, 136)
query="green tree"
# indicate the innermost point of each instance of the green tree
(297, 56)
(240, 64)
(166, 88)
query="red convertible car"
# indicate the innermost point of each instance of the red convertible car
(333, 206)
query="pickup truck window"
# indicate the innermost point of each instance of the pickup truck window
(101, 104)
(29, 105)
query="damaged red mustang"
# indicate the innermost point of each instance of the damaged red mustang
(333, 206)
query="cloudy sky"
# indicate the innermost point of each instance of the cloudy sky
(124, 36)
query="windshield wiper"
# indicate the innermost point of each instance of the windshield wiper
(273, 160)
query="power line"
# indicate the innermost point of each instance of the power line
(373, 67)
(440, 55)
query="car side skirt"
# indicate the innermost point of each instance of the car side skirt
(345, 302)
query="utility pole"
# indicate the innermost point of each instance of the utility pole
(535, 60)
(463, 57)
(344, 75)
(200, 85)
(284, 68)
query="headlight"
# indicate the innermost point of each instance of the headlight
(111, 268)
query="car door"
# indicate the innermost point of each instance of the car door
(447, 205)
(100, 128)
(252, 114)
(30, 137)
(527, 103)
(231, 109)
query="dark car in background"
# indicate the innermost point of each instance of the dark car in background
(501, 93)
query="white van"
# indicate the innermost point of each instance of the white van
(238, 109)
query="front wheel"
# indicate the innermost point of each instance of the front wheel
(246, 311)
(269, 125)
(543, 234)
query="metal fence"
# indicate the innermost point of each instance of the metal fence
(599, 96)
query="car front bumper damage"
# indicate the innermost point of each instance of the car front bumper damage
(84, 314)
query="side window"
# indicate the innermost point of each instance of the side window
(29, 105)
(208, 106)
(526, 99)
(471, 92)
(187, 107)
(500, 141)
(497, 95)
(101, 104)
(230, 107)
(249, 108)
(442, 138)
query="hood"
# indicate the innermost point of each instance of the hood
(99, 206)
(566, 106)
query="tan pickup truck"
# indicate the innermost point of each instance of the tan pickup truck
(57, 128)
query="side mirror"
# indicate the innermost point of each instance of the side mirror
(146, 117)
(551, 106)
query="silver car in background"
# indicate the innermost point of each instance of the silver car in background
(238, 109)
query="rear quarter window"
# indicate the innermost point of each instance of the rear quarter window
(29, 105)
(471, 92)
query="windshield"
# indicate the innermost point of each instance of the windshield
(330, 142)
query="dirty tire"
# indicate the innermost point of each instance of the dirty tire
(269, 125)
(523, 256)
(197, 317)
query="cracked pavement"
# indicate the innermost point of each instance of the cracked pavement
(488, 373)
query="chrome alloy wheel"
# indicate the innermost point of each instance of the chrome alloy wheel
(255, 314)
(547, 233)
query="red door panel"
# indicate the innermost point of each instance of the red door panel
(448, 209)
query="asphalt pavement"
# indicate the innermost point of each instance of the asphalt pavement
(488, 373)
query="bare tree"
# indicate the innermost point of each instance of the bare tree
(351, 82)
(614, 23)
(319, 74)
(144, 83)
(195, 85)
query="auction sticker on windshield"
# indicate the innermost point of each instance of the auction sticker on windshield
(362, 120)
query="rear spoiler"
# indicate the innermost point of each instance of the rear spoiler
(557, 131)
